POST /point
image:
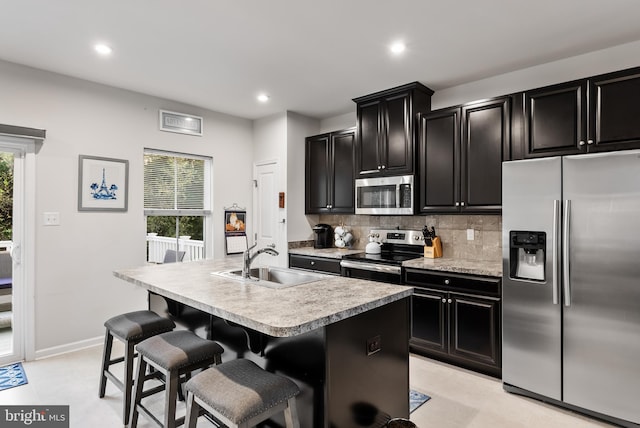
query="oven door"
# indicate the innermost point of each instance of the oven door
(372, 271)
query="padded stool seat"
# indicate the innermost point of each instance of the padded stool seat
(174, 355)
(240, 394)
(131, 328)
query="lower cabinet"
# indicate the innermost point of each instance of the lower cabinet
(314, 263)
(456, 318)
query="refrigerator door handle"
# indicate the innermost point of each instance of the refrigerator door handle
(554, 250)
(565, 252)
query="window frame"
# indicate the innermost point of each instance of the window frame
(206, 212)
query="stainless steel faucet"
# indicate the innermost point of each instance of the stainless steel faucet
(248, 258)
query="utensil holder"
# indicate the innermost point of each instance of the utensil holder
(435, 250)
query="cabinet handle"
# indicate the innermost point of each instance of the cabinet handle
(581, 143)
(379, 166)
(384, 166)
(313, 263)
(446, 281)
(444, 300)
(462, 204)
(589, 142)
(449, 301)
(457, 204)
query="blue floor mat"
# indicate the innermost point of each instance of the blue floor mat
(12, 375)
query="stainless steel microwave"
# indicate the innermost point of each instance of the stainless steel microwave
(385, 195)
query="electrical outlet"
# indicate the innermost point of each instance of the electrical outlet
(373, 345)
(470, 234)
(52, 219)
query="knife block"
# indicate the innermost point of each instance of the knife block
(435, 250)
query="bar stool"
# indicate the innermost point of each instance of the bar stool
(240, 395)
(130, 328)
(174, 355)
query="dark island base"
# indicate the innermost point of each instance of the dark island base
(345, 382)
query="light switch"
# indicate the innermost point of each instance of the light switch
(470, 234)
(52, 219)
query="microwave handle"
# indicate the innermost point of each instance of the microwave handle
(398, 195)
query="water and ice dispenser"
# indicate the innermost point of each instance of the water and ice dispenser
(527, 255)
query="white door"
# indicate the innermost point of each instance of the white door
(12, 298)
(269, 220)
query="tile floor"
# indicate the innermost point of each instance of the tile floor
(459, 398)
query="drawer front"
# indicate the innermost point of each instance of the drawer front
(486, 286)
(319, 264)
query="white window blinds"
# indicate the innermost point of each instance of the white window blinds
(174, 184)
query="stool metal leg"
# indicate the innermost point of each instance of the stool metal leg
(129, 355)
(106, 357)
(193, 411)
(291, 414)
(137, 394)
(170, 394)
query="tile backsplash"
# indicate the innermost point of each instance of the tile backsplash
(452, 229)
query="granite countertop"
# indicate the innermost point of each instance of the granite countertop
(471, 267)
(332, 253)
(280, 312)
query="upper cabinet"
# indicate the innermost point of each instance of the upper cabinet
(329, 170)
(460, 157)
(582, 116)
(386, 130)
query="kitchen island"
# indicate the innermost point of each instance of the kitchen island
(344, 341)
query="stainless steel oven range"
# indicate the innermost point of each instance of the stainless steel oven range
(382, 261)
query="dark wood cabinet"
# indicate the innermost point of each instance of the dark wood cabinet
(555, 120)
(314, 263)
(329, 172)
(590, 115)
(614, 109)
(439, 161)
(461, 152)
(456, 318)
(386, 130)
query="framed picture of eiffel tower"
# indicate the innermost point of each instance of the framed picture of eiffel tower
(102, 184)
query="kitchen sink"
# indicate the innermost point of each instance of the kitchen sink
(272, 277)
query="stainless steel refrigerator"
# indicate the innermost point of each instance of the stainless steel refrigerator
(571, 282)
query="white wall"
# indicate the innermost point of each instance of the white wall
(75, 291)
(336, 123)
(298, 128)
(598, 62)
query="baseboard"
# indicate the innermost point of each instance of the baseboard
(69, 347)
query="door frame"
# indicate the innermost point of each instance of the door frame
(24, 204)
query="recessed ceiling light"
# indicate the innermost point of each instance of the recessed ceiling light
(103, 49)
(397, 48)
(263, 98)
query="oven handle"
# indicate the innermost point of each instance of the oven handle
(371, 267)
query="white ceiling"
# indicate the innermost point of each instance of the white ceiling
(311, 56)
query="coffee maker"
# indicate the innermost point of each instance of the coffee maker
(527, 255)
(324, 236)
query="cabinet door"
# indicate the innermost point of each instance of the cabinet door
(397, 145)
(369, 132)
(429, 320)
(343, 183)
(556, 120)
(485, 144)
(317, 170)
(614, 111)
(439, 152)
(474, 329)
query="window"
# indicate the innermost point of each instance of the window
(177, 206)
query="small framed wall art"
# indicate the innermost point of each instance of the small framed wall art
(102, 184)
